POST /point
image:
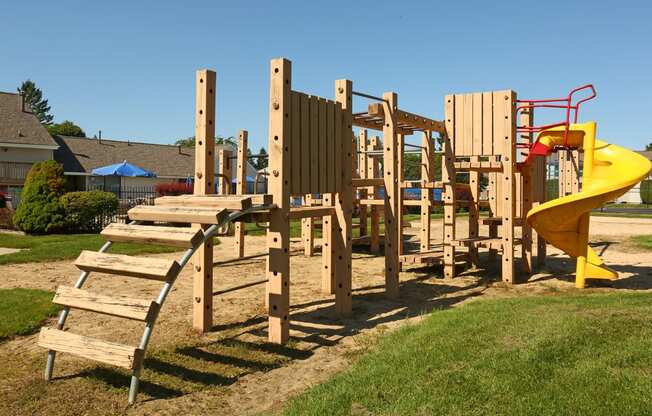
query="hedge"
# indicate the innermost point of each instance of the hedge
(86, 211)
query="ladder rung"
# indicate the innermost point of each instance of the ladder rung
(171, 236)
(116, 305)
(142, 267)
(178, 214)
(94, 349)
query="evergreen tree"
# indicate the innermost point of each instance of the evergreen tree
(34, 99)
(261, 162)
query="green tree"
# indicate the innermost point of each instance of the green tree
(34, 99)
(40, 210)
(648, 146)
(190, 141)
(66, 128)
(261, 162)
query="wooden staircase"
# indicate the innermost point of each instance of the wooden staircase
(214, 211)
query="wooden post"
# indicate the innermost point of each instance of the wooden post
(392, 198)
(344, 202)
(505, 132)
(528, 174)
(328, 248)
(493, 199)
(224, 171)
(449, 181)
(474, 210)
(241, 188)
(541, 198)
(278, 233)
(427, 176)
(307, 230)
(202, 311)
(374, 172)
(363, 171)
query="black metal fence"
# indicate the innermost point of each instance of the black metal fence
(128, 197)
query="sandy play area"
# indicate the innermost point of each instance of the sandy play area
(321, 345)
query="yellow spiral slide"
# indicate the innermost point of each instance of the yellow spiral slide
(608, 172)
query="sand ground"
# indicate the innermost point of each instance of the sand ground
(324, 343)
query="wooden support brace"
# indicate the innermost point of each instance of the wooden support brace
(241, 188)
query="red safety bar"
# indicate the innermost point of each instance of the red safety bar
(561, 103)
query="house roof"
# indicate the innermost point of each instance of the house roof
(20, 126)
(82, 155)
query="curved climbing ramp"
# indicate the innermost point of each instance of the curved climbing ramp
(211, 212)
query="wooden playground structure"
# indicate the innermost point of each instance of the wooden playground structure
(321, 152)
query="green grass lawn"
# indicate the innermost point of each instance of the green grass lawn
(24, 310)
(642, 241)
(561, 355)
(42, 248)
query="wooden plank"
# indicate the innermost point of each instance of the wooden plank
(150, 234)
(362, 182)
(230, 202)
(372, 173)
(338, 143)
(278, 233)
(177, 214)
(121, 264)
(363, 170)
(468, 124)
(323, 168)
(241, 188)
(474, 211)
(307, 230)
(306, 150)
(314, 145)
(404, 118)
(487, 124)
(93, 349)
(344, 202)
(115, 305)
(224, 172)
(330, 147)
(202, 315)
(328, 234)
(448, 179)
(427, 176)
(303, 212)
(295, 144)
(477, 124)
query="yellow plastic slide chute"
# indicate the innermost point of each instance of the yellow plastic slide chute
(609, 171)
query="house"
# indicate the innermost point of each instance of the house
(23, 142)
(633, 196)
(170, 163)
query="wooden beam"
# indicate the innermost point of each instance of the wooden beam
(241, 188)
(202, 316)
(305, 212)
(427, 176)
(307, 230)
(392, 189)
(403, 117)
(278, 233)
(448, 178)
(229, 202)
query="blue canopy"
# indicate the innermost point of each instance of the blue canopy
(122, 169)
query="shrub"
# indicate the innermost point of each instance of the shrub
(646, 191)
(40, 210)
(3, 200)
(173, 188)
(87, 210)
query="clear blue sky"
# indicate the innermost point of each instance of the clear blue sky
(127, 68)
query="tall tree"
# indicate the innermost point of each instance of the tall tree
(34, 99)
(261, 162)
(648, 146)
(66, 128)
(190, 141)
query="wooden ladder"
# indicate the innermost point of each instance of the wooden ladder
(220, 212)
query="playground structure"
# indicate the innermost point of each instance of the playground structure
(314, 155)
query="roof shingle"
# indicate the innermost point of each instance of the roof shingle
(18, 126)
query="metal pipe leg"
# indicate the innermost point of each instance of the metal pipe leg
(49, 366)
(133, 388)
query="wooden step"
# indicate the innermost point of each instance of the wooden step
(169, 236)
(231, 202)
(142, 267)
(116, 305)
(197, 215)
(93, 349)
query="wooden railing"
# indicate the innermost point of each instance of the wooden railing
(14, 170)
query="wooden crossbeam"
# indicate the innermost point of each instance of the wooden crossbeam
(405, 119)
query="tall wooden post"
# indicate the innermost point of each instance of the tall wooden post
(363, 170)
(241, 188)
(427, 177)
(474, 211)
(328, 234)
(392, 198)
(374, 172)
(448, 180)
(278, 233)
(224, 171)
(344, 202)
(307, 230)
(202, 311)
(505, 131)
(528, 173)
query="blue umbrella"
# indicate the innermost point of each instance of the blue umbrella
(122, 169)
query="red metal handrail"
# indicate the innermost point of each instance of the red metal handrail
(550, 103)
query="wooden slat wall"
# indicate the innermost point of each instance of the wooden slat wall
(487, 124)
(316, 133)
